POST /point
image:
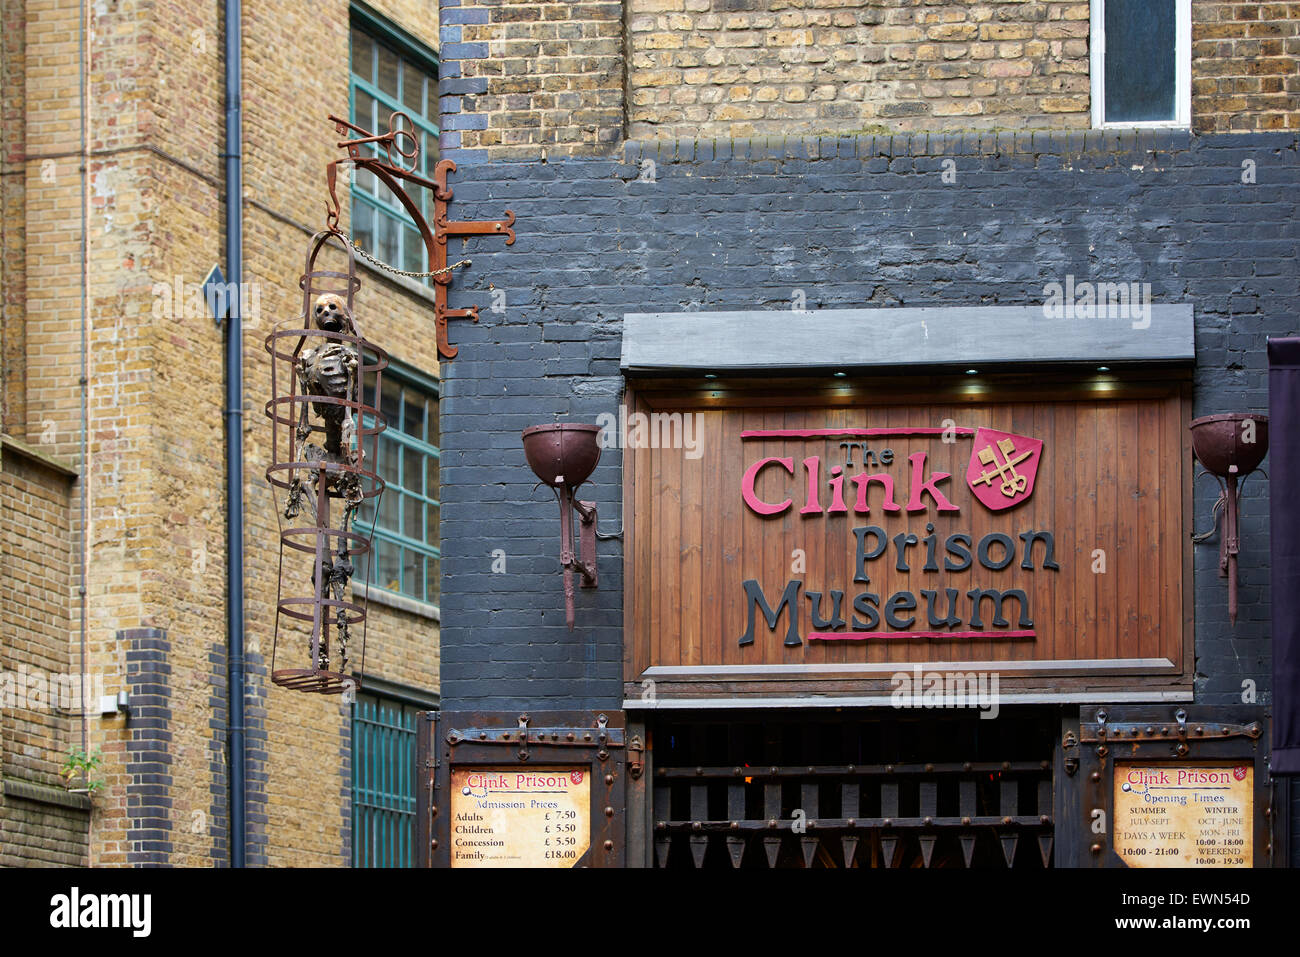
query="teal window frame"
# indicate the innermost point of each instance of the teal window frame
(383, 781)
(379, 221)
(394, 502)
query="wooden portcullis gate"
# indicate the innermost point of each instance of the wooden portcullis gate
(846, 789)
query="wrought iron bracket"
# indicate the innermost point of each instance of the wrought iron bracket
(393, 165)
(1102, 731)
(523, 736)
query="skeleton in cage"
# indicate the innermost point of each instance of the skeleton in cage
(330, 371)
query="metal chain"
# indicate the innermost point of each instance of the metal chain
(402, 272)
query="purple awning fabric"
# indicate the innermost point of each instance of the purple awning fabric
(1284, 535)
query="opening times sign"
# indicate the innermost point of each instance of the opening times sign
(507, 817)
(1184, 816)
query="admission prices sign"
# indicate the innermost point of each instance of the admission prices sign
(513, 817)
(823, 547)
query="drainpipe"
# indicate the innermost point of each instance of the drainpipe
(83, 559)
(234, 433)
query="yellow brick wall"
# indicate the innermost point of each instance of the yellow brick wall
(155, 394)
(1245, 66)
(40, 723)
(716, 68)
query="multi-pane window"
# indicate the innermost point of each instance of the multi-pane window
(383, 782)
(1141, 63)
(406, 557)
(389, 75)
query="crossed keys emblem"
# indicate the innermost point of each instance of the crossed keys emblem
(1013, 483)
(1002, 480)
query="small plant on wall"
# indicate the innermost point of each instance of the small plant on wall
(79, 768)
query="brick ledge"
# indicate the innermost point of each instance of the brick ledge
(972, 143)
(44, 794)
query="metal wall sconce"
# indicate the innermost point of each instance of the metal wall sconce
(1230, 446)
(110, 704)
(563, 456)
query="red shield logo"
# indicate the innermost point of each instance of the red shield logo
(1002, 468)
(1239, 772)
(575, 777)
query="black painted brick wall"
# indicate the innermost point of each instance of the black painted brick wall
(149, 759)
(852, 222)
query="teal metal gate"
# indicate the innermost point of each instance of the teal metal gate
(383, 782)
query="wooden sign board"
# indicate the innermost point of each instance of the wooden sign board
(816, 545)
(512, 817)
(1176, 815)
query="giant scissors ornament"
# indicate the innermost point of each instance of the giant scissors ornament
(394, 158)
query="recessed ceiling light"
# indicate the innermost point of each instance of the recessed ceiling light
(972, 371)
(840, 375)
(1103, 368)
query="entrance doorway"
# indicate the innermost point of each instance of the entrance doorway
(769, 789)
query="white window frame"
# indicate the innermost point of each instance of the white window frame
(1182, 70)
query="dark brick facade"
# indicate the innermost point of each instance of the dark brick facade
(149, 750)
(853, 222)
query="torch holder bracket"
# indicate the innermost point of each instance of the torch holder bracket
(586, 562)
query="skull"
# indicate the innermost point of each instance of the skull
(331, 313)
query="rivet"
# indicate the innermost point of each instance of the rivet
(1096, 848)
(609, 812)
(1096, 775)
(609, 779)
(609, 845)
(434, 844)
